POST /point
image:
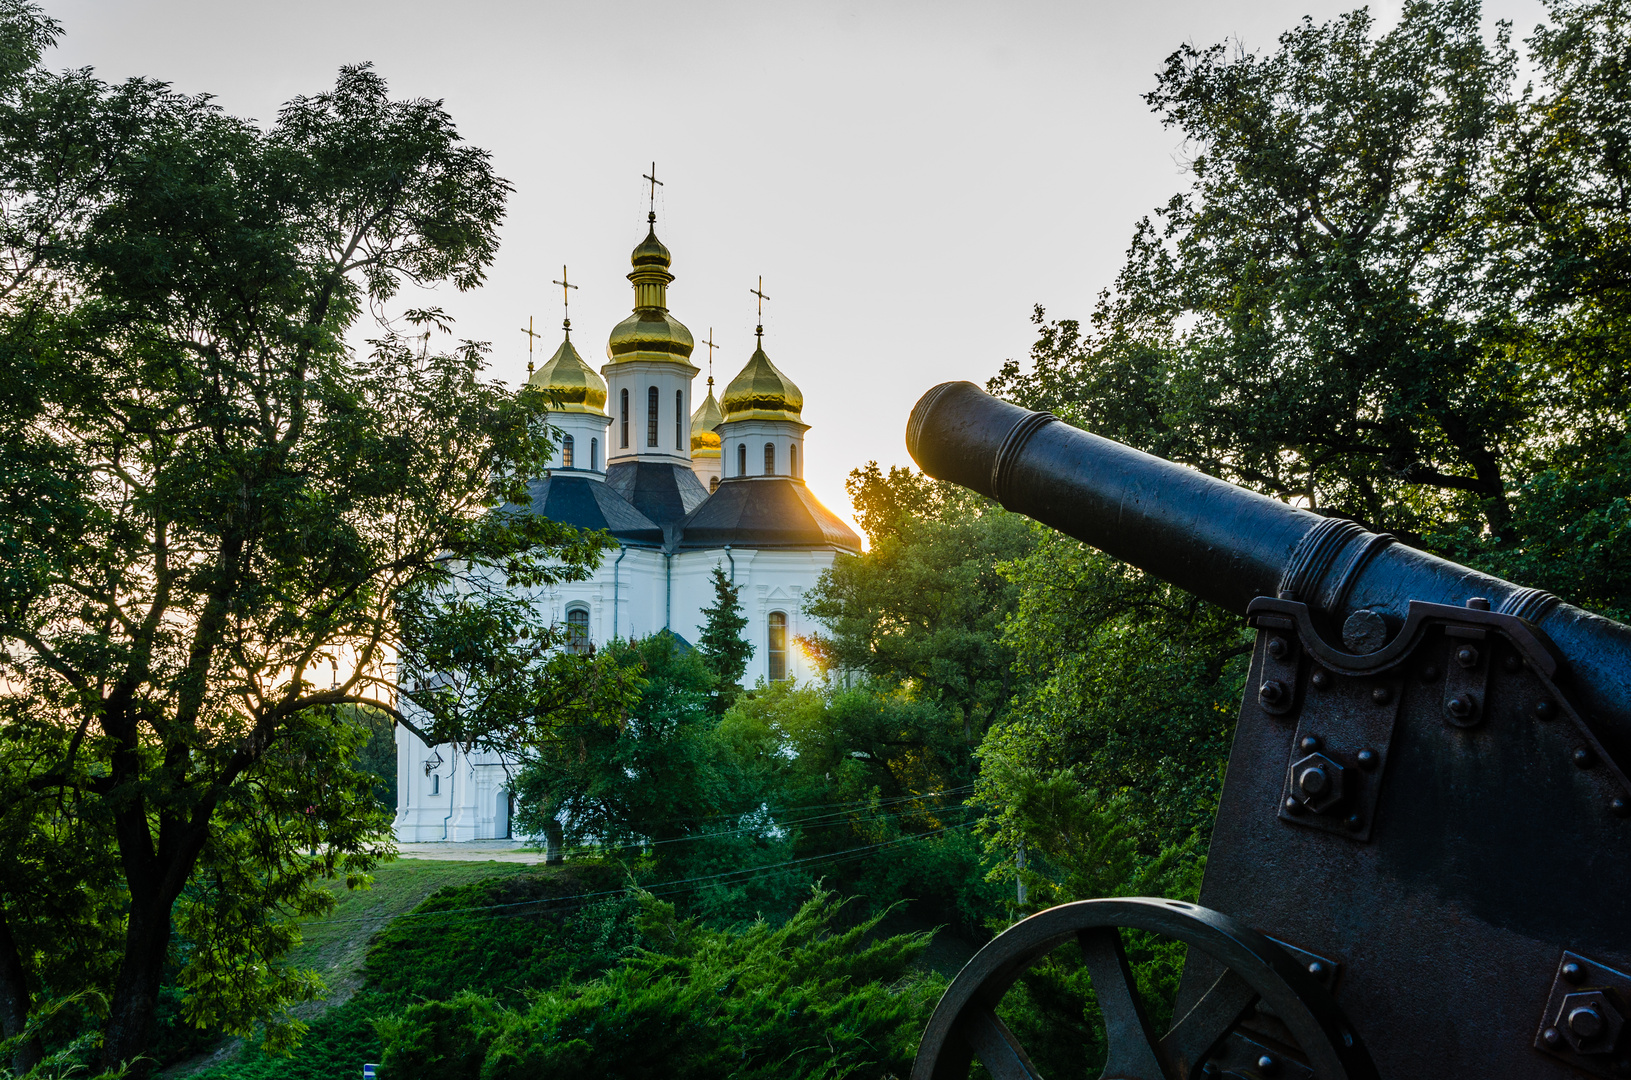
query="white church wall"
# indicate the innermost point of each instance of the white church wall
(588, 433)
(743, 443)
(637, 377)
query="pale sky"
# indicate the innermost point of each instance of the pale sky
(910, 178)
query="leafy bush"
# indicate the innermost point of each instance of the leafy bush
(503, 936)
(795, 1001)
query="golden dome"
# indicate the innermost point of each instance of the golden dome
(761, 392)
(572, 385)
(704, 439)
(651, 251)
(651, 333)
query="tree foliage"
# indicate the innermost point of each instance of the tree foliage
(652, 772)
(923, 607)
(207, 493)
(1395, 290)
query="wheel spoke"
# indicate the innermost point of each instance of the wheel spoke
(995, 1045)
(1194, 1037)
(1133, 1054)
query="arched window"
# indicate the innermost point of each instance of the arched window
(566, 451)
(770, 459)
(792, 459)
(713, 485)
(577, 629)
(776, 653)
(651, 417)
(594, 455)
(625, 396)
(679, 419)
(741, 459)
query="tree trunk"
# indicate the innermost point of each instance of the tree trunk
(129, 1025)
(14, 1002)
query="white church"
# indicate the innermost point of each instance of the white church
(681, 489)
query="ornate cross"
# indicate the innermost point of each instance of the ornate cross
(655, 184)
(759, 330)
(710, 344)
(566, 297)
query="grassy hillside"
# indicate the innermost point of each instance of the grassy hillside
(338, 946)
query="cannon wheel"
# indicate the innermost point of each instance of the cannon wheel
(965, 1023)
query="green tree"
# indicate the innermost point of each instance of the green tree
(214, 495)
(1395, 290)
(652, 773)
(723, 649)
(923, 607)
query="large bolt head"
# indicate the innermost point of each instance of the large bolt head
(1274, 692)
(1590, 1022)
(1318, 782)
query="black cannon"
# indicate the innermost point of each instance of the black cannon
(1421, 865)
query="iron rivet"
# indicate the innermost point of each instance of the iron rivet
(1368, 758)
(1277, 648)
(1511, 662)
(1272, 692)
(1619, 807)
(1467, 656)
(1584, 758)
(1268, 1065)
(1316, 969)
(1551, 1036)
(1320, 680)
(1478, 603)
(1355, 822)
(1429, 673)
(1293, 806)
(1573, 972)
(1544, 709)
(1381, 695)
(1459, 707)
(1310, 743)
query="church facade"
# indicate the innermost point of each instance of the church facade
(682, 487)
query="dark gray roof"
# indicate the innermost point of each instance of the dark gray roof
(766, 511)
(664, 492)
(586, 502)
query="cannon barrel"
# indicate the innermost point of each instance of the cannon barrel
(1229, 545)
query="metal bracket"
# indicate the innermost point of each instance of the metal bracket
(1277, 693)
(1586, 1016)
(1466, 675)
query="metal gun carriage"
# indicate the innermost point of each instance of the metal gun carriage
(1421, 865)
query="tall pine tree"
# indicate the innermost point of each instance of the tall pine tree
(722, 646)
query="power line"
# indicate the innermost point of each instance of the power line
(821, 820)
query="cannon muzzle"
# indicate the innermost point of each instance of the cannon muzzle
(1230, 545)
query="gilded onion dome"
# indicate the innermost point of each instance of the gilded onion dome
(704, 439)
(573, 386)
(761, 392)
(651, 333)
